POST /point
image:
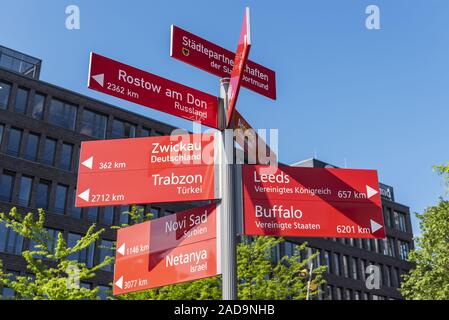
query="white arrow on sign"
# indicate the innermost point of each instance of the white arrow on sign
(371, 191)
(119, 283)
(88, 163)
(85, 195)
(121, 250)
(99, 78)
(375, 226)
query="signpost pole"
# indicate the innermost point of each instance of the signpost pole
(227, 215)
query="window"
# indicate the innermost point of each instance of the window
(390, 247)
(396, 278)
(336, 264)
(65, 161)
(327, 261)
(363, 268)
(61, 198)
(156, 212)
(48, 156)
(20, 105)
(403, 249)
(145, 132)
(37, 111)
(401, 222)
(368, 244)
(9, 293)
(387, 217)
(42, 194)
(387, 276)
(289, 249)
(157, 134)
(121, 129)
(62, 114)
(104, 292)
(2, 128)
(354, 268)
(75, 212)
(25, 191)
(347, 294)
(5, 90)
(375, 245)
(93, 124)
(32, 147)
(15, 137)
(329, 295)
(92, 214)
(124, 217)
(108, 216)
(275, 253)
(10, 241)
(107, 250)
(345, 266)
(86, 255)
(6, 186)
(339, 294)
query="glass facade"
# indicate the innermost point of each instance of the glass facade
(10, 241)
(37, 111)
(122, 129)
(108, 216)
(65, 161)
(93, 124)
(6, 186)
(42, 194)
(14, 140)
(18, 62)
(92, 214)
(2, 129)
(62, 114)
(48, 156)
(26, 184)
(32, 147)
(75, 212)
(20, 104)
(5, 92)
(61, 198)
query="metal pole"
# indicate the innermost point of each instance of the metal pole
(227, 215)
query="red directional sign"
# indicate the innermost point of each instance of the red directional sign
(149, 90)
(146, 170)
(249, 140)
(240, 60)
(219, 61)
(312, 202)
(173, 249)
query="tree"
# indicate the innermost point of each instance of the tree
(429, 280)
(54, 275)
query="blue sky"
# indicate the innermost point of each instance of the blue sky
(374, 99)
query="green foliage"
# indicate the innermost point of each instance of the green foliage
(429, 280)
(443, 170)
(55, 276)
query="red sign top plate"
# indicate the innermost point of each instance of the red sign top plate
(135, 85)
(203, 54)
